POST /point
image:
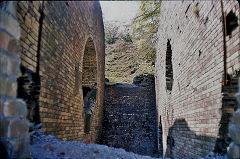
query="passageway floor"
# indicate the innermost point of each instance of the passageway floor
(48, 146)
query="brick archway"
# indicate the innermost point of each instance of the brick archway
(89, 83)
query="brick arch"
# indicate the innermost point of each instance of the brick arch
(89, 65)
(60, 58)
(89, 83)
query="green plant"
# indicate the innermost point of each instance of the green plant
(145, 27)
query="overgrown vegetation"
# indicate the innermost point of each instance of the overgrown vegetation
(111, 33)
(145, 27)
(114, 33)
(131, 49)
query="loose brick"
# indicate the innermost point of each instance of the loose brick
(22, 146)
(18, 128)
(15, 108)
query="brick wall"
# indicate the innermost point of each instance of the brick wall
(14, 138)
(28, 14)
(191, 111)
(130, 118)
(53, 47)
(89, 66)
(231, 10)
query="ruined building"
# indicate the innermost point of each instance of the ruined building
(52, 72)
(52, 55)
(198, 63)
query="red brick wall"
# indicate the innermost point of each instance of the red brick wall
(28, 17)
(89, 69)
(52, 48)
(191, 111)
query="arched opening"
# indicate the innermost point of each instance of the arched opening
(89, 82)
(169, 70)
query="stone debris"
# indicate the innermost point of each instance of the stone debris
(144, 80)
(47, 146)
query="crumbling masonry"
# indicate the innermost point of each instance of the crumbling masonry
(60, 47)
(62, 52)
(52, 72)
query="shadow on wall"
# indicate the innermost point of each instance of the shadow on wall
(229, 105)
(184, 143)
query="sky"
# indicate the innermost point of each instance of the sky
(119, 11)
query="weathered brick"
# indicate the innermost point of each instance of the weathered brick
(9, 68)
(21, 145)
(8, 65)
(10, 7)
(10, 24)
(63, 67)
(18, 128)
(12, 46)
(8, 43)
(14, 108)
(7, 86)
(198, 68)
(4, 128)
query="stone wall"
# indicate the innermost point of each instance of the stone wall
(14, 138)
(130, 119)
(203, 57)
(55, 44)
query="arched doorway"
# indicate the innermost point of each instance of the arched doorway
(89, 83)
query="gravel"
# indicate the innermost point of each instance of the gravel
(48, 146)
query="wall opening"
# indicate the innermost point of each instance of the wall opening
(89, 83)
(169, 70)
(29, 90)
(29, 83)
(231, 22)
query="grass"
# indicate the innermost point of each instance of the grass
(123, 63)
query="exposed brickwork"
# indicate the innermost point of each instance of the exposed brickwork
(234, 126)
(53, 47)
(61, 51)
(13, 124)
(130, 120)
(229, 105)
(89, 66)
(232, 40)
(28, 16)
(191, 113)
